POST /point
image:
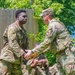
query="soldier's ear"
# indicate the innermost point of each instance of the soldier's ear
(17, 18)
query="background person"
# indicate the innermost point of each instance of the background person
(38, 65)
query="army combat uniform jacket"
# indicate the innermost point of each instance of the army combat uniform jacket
(15, 42)
(58, 40)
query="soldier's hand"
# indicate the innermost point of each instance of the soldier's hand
(34, 62)
(43, 62)
(27, 54)
(24, 55)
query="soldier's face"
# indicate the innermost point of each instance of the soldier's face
(45, 19)
(22, 17)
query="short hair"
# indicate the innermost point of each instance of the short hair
(18, 12)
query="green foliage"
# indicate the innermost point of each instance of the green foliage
(64, 11)
(74, 42)
(51, 58)
(4, 4)
(19, 4)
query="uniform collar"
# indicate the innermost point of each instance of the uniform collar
(17, 25)
(52, 20)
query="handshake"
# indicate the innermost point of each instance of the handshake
(29, 54)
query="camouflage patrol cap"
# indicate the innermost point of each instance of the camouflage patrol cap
(48, 11)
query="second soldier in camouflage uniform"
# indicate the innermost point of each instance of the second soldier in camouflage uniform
(16, 41)
(37, 66)
(57, 40)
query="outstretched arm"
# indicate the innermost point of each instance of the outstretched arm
(45, 45)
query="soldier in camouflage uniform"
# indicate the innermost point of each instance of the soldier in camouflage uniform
(15, 43)
(37, 66)
(57, 40)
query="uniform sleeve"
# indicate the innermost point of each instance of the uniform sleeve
(13, 44)
(47, 49)
(50, 35)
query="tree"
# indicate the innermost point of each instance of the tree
(64, 9)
